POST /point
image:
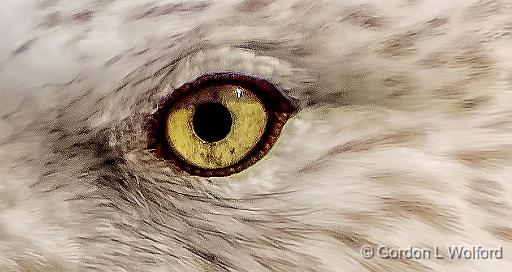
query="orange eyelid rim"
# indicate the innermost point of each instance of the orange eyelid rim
(277, 106)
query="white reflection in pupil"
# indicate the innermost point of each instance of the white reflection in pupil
(238, 92)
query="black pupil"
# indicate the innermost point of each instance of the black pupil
(212, 122)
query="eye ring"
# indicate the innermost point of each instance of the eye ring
(276, 105)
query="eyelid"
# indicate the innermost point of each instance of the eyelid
(273, 97)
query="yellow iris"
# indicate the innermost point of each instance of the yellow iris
(247, 120)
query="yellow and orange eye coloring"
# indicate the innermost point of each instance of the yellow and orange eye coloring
(218, 124)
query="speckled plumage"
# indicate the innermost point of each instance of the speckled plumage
(403, 137)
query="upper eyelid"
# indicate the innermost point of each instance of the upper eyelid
(160, 76)
(263, 88)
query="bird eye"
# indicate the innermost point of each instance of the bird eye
(218, 124)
